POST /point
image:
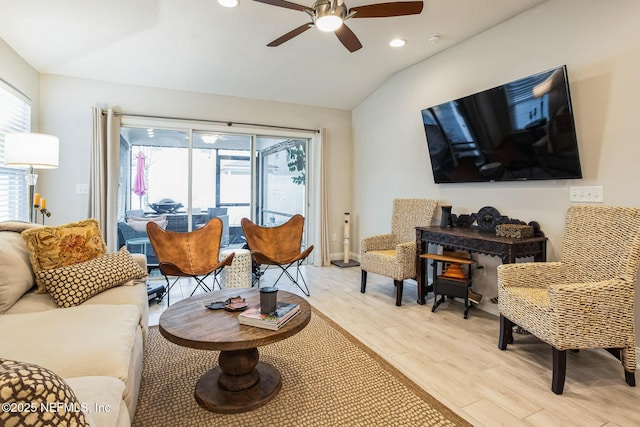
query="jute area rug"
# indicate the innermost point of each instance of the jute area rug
(328, 379)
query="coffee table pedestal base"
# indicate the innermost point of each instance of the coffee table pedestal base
(214, 398)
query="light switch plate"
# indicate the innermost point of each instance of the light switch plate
(82, 188)
(591, 194)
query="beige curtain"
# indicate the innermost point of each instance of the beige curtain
(321, 202)
(103, 174)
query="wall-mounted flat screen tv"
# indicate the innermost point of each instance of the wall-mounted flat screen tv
(523, 130)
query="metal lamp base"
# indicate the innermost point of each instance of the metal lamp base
(32, 179)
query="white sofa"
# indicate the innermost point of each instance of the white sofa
(97, 347)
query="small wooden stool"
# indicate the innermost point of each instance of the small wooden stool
(455, 278)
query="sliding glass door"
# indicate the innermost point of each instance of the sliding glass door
(226, 160)
(191, 176)
(282, 189)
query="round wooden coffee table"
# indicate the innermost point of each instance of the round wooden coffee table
(241, 382)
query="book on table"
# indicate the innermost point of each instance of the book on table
(274, 321)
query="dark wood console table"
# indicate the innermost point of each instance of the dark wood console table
(470, 239)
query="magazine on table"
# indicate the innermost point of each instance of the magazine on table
(274, 321)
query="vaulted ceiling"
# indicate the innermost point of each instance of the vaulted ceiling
(200, 46)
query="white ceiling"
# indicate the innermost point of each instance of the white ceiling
(200, 46)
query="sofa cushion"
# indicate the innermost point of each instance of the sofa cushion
(32, 302)
(37, 396)
(73, 342)
(63, 245)
(133, 295)
(16, 275)
(102, 397)
(139, 224)
(74, 284)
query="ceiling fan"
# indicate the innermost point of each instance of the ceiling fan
(329, 15)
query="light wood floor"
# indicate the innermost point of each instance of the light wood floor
(458, 362)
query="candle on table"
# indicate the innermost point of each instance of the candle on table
(36, 199)
(43, 203)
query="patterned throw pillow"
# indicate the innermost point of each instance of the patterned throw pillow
(63, 245)
(72, 285)
(34, 396)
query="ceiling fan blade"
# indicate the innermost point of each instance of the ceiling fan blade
(383, 10)
(348, 38)
(291, 34)
(285, 4)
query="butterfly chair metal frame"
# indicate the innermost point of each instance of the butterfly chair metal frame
(192, 254)
(278, 246)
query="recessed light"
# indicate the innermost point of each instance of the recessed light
(397, 43)
(433, 38)
(228, 3)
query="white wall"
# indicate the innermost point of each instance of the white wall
(66, 112)
(598, 41)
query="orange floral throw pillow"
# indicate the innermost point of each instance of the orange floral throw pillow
(63, 245)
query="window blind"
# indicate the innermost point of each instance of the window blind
(15, 116)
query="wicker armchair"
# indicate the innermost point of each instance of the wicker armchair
(394, 255)
(584, 301)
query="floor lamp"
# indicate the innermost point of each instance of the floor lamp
(34, 150)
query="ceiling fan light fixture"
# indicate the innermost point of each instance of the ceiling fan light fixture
(329, 23)
(228, 3)
(331, 16)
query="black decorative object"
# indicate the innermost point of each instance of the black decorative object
(465, 220)
(487, 219)
(165, 206)
(445, 219)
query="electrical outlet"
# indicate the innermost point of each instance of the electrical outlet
(82, 188)
(334, 237)
(593, 194)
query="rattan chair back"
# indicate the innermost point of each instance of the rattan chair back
(601, 243)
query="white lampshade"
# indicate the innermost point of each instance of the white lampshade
(37, 150)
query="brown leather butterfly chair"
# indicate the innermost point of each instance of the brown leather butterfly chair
(192, 254)
(279, 246)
